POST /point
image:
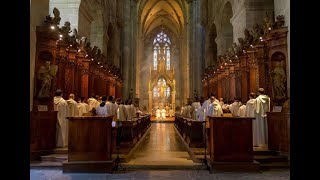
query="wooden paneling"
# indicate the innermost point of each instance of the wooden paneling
(230, 139)
(90, 138)
(42, 131)
(279, 131)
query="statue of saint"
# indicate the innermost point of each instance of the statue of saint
(279, 80)
(46, 74)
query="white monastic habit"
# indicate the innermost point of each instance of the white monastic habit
(122, 113)
(130, 113)
(199, 114)
(111, 108)
(215, 109)
(242, 111)
(102, 110)
(234, 108)
(250, 113)
(171, 112)
(93, 103)
(188, 111)
(163, 113)
(73, 108)
(158, 113)
(61, 106)
(262, 106)
(82, 108)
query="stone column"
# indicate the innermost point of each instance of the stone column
(39, 9)
(127, 49)
(195, 47)
(150, 102)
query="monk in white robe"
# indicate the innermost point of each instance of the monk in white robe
(262, 106)
(250, 112)
(61, 106)
(215, 109)
(102, 110)
(73, 106)
(163, 113)
(242, 110)
(93, 103)
(122, 112)
(234, 107)
(158, 113)
(205, 105)
(195, 105)
(111, 108)
(82, 109)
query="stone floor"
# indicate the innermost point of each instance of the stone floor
(161, 147)
(160, 174)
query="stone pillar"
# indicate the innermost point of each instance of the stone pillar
(195, 47)
(127, 49)
(150, 102)
(38, 11)
(238, 22)
(69, 11)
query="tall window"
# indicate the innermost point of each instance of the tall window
(161, 49)
(161, 89)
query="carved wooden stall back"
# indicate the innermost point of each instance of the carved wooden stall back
(69, 63)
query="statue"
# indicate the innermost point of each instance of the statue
(241, 44)
(280, 22)
(56, 19)
(248, 38)
(257, 33)
(230, 53)
(46, 74)
(267, 24)
(66, 29)
(236, 49)
(74, 38)
(278, 80)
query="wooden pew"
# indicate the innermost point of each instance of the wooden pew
(90, 145)
(42, 133)
(230, 143)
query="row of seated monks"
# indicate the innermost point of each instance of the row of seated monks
(256, 107)
(95, 106)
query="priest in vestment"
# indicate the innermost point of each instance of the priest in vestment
(215, 108)
(158, 113)
(61, 106)
(163, 113)
(262, 106)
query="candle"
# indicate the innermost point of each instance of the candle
(118, 114)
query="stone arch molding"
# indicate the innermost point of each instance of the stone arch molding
(154, 81)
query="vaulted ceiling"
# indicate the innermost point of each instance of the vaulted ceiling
(157, 13)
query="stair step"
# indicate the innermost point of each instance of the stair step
(271, 159)
(60, 151)
(275, 165)
(55, 158)
(265, 152)
(45, 164)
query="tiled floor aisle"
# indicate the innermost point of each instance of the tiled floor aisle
(161, 146)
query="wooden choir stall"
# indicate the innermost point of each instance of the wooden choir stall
(230, 144)
(70, 63)
(260, 60)
(90, 144)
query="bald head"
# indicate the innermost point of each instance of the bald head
(71, 96)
